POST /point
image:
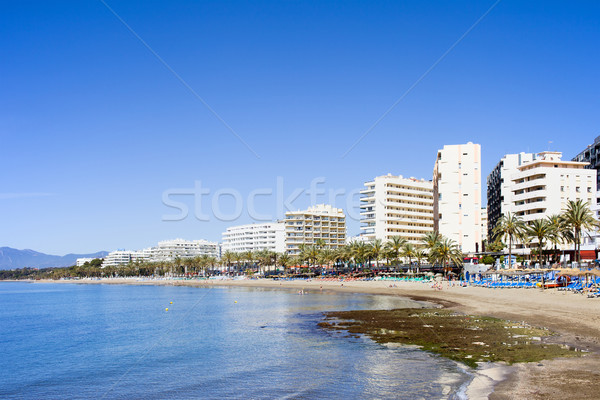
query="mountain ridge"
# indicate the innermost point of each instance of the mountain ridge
(11, 258)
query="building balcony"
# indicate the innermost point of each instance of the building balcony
(534, 194)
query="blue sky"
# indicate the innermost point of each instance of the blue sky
(94, 129)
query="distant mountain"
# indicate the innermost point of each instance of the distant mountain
(12, 258)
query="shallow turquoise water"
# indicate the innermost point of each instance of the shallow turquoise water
(114, 341)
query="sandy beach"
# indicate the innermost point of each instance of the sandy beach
(574, 317)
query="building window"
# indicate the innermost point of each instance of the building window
(577, 189)
(562, 188)
(589, 190)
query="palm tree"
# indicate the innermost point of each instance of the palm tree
(204, 262)
(540, 230)
(359, 253)
(420, 254)
(248, 258)
(394, 247)
(376, 250)
(285, 261)
(309, 253)
(447, 251)
(577, 217)
(558, 232)
(177, 263)
(227, 258)
(430, 239)
(408, 251)
(343, 255)
(512, 227)
(238, 258)
(264, 258)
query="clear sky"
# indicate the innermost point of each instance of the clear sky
(95, 131)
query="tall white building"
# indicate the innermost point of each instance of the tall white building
(484, 222)
(170, 249)
(396, 206)
(457, 195)
(255, 237)
(321, 222)
(543, 187)
(499, 183)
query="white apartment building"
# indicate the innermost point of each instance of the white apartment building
(457, 195)
(81, 261)
(308, 226)
(254, 237)
(544, 186)
(484, 222)
(396, 206)
(124, 257)
(590, 240)
(170, 249)
(360, 238)
(499, 184)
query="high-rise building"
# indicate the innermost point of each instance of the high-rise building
(457, 195)
(499, 194)
(484, 223)
(591, 155)
(255, 237)
(543, 187)
(321, 222)
(396, 206)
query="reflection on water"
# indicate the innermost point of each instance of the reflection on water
(88, 341)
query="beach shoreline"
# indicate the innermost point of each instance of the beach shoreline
(575, 319)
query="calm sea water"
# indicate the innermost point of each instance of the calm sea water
(105, 341)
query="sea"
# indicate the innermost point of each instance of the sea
(85, 341)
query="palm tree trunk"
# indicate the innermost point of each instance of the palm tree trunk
(509, 252)
(578, 246)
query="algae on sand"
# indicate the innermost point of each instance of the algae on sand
(464, 338)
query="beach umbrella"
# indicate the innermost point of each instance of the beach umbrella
(595, 272)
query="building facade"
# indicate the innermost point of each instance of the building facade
(484, 223)
(457, 195)
(396, 206)
(171, 249)
(124, 257)
(591, 155)
(544, 186)
(499, 194)
(81, 261)
(254, 237)
(307, 227)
